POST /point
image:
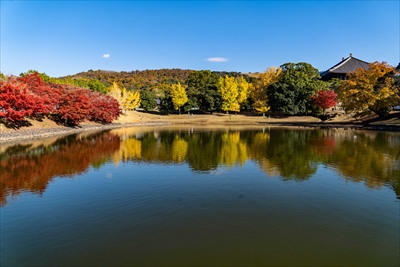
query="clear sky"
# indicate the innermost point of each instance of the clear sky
(67, 37)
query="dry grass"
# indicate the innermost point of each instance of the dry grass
(204, 120)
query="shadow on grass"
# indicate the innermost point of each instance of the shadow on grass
(25, 123)
(15, 124)
(393, 115)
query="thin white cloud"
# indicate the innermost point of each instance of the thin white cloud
(106, 55)
(217, 59)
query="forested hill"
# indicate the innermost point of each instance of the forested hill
(135, 79)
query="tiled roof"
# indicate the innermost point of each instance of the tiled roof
(347, 65)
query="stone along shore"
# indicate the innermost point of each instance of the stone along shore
(35, 133)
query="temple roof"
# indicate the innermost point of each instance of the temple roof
(347, 65)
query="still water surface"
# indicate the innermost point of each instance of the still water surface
(202, 196)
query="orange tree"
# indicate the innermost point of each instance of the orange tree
(372, 90)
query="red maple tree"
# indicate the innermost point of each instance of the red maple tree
(30, 96)
(18, 101)
(105, 108)
(324, 99)
(74, 105)
(49, 93)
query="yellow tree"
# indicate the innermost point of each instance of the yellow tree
(179, 96)
(229, 91)
(116, 92)
(258, 89)
(127, 100)
(132, 99)
(243, 87)
(371, 90)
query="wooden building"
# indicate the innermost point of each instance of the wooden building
(341, 69)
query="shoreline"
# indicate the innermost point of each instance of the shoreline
(344, 125)
(41, 133)
(34, 134)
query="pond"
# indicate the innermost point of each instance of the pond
(153, 196)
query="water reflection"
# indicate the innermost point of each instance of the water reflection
(290, 154)
(30, 167)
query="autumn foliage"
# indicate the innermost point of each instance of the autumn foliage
(258, 89)
(324, 99)
(17, 101)
(127, 100)
(30, 96)
(372, 90)
(105, 108)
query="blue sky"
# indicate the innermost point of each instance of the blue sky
(67, 37)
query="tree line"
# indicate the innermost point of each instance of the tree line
(291, 89)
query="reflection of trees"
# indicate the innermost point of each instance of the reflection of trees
(324, 145)
(372, 159)
(233, 150)
(130, 148)
(290, 151)
(32, 170)
(179, 149)
(204, 151)
(258, 143)
(284, 152)
(153, 147)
